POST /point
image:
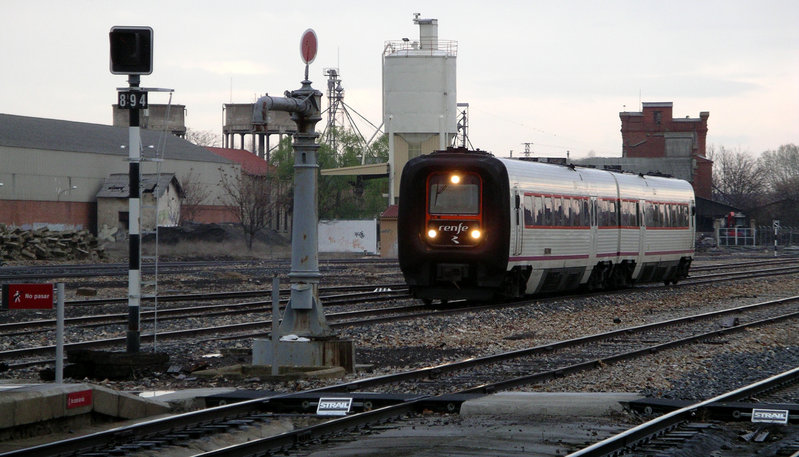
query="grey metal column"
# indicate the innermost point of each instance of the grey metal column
(304, 315)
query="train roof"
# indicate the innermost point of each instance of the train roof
(569, 179)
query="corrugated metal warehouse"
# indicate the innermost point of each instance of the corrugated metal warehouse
(52, 170)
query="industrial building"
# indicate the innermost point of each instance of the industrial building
(653, 141)
(419, 102)
(52, 171)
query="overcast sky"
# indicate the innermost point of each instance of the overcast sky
(552, 73)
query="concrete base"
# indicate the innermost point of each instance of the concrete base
(313, 353)
(85, 363)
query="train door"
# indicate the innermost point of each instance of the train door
(692, 224)
(518, 223)
(641, 210)
(593, 227)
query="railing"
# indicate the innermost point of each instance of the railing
(760, 236)
(737, 236)
(414, 48)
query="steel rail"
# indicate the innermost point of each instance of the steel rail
(551, 347)
(729, 266)
(293, 438)
(389, 291)
(257, 447)
(644, 432)
(263, 326)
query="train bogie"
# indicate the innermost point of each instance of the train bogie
(474, 226)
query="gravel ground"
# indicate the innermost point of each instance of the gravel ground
(693, 373)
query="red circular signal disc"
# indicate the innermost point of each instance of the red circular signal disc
(308, 46)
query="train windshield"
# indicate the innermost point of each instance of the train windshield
(454, 194)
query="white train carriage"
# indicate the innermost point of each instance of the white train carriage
(537, 227)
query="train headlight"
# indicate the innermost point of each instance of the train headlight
(476, 234)
(455, 179)
(432, 233)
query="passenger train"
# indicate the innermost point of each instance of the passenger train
(474, 226)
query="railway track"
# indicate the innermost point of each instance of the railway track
(674, 429)
(248, 329)
(48, 272)
(342, 295)
(443, 385)
(254, 327)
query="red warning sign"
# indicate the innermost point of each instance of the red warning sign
(79, 399)
(27, 296)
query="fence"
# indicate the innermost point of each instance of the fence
(786, 236)
(762, 236)
(738, 236)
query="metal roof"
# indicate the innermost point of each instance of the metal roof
(117, 185)
(58, 135)
(250, 163)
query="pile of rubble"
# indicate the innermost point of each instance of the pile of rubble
(45, 244)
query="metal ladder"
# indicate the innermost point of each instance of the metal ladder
(149, 263)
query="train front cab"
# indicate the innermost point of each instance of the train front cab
(453, 225)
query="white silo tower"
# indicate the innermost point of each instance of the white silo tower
(419, 97)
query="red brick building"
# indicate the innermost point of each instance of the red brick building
(654, 133)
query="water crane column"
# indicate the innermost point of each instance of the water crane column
(304, 316)
(305, 337)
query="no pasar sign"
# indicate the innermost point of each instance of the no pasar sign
(27, 296)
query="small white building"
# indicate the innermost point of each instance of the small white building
(160, 202)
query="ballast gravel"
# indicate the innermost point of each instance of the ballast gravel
(690, 373)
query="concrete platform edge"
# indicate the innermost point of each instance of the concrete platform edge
(582, 404)
(29, 404)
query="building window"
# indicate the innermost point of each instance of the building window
(414, 150)
(658, 117)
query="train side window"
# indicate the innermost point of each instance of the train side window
(638, 217)
(557, 211)
(657, 215)
(683, 215)
(528, 208)
(547, 220)
(586, 212)
(607, 213)
(539, 210)
(574, 212)
(624, 214)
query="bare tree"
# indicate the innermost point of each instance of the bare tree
(202, 138)
(781, 170)
(195, 193)
(251, 196)
(737, 178)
